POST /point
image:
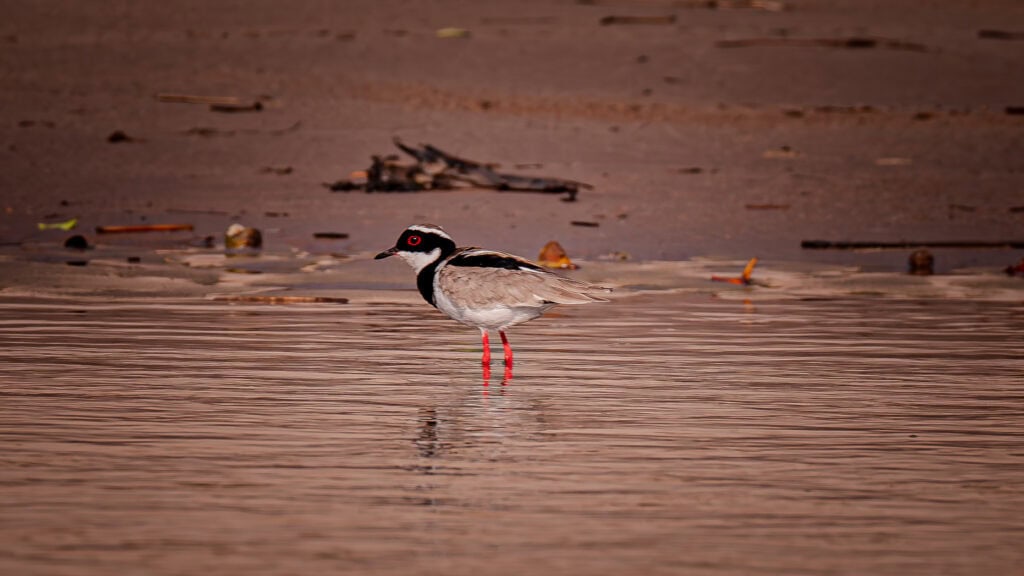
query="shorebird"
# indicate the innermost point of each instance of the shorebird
(483, 288)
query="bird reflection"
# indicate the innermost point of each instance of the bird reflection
(427, 442)
(506, 378)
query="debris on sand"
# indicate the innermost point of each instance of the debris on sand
(277, 170)
(239, 236)
(143, 228)
(77, 242)
(435, 169)
(990, 34)
(65, 225)
(452, 32)
(197, 99)
(966, 244)
(119, 136)
(766, 5)
(852, 43)
(1017, 270)
(269, 299)
(921, 263)
(552, 255)
(208, 132)
(216, 103)
(781, 153)
(642, 20)
(744, 279)
(767, 206)
(254, 106)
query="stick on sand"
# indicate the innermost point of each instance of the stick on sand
(828, 245)
(143, 228)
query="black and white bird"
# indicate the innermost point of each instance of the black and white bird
(483, 288)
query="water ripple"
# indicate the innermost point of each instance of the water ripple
(655, 434)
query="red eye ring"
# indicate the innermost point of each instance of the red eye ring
(413, 240)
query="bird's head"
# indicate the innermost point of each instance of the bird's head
(421, 245)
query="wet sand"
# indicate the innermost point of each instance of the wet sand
(685, 139)
(837, 417)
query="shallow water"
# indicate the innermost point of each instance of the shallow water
(655, 434)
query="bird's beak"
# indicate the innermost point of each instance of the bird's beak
(389, 252)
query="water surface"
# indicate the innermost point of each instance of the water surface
(656, 434)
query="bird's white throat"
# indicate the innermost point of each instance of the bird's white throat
(420, 260)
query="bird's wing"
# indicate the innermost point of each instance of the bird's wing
(484, 278)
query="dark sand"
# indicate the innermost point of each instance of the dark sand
(694, 148)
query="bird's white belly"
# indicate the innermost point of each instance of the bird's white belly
(492, 318)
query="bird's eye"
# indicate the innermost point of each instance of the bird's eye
(413, 240)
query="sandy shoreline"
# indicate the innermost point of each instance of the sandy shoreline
(685, 141)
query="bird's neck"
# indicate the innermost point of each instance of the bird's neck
(425, 273)
(425, 281)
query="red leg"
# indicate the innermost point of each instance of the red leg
(508, 348)
(487, 347)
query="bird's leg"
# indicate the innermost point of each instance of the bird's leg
(487, 347)
(508, 349)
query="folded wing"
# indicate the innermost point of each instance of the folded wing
(484, 278)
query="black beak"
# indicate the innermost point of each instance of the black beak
(389, 252)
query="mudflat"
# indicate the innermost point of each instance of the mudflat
(727, 128)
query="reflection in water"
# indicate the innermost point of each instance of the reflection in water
(506, 378)
(427, 442)
(654, 435)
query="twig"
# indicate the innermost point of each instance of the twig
(254, 106)
(645, 20)
(143, 228)
(853, 42)
(828, 245)
(1000, 35)
(195, 99)
(282, 299)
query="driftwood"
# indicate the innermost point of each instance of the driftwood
(435, 169)
(828, 245)
(143, 228)
(852, 42)
(216, 103)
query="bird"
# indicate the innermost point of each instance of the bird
(486, 289)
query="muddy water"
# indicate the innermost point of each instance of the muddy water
(653, 435)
